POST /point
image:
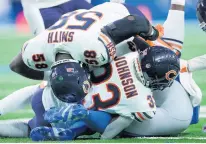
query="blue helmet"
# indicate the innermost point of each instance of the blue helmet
(160, 67)
(69, 80)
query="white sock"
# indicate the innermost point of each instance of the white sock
(178, 2)
(14, 128)
(17, 99)
(174, 29)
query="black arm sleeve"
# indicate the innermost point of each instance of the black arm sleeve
(17, 65)
(129, 26)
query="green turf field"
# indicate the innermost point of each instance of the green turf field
(10, 44)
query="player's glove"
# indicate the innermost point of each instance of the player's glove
(70, 113)
(152, 35)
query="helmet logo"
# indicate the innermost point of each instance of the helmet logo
(148, 66)
(170, 75)
(60, 78)
(86, 86)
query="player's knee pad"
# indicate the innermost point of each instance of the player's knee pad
(142, 116)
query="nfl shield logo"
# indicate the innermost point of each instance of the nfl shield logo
(70, 69)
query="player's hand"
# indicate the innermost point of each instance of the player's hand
(53, 115)
(71, 114)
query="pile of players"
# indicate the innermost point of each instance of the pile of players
(106, 70)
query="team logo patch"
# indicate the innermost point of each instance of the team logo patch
(86, 86)
(170, 75)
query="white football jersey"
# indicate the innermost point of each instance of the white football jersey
(120, 91)
(77, 33)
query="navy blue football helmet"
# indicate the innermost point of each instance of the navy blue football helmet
(160, 67)
(70, 80)
(201, 13)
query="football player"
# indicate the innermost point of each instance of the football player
(88, 32)
(185, 115)
(16, 63)
(125, 90)
(170, 100)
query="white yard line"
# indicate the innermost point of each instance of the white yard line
(202, 109)
(175, 138)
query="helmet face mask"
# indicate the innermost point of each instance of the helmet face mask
(158, 83)
(160, 67)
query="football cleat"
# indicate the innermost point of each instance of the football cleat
(47, 133)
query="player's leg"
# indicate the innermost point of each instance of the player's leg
(18, 66)
(38, 108)
(42, 18)
(14, 128)
(17, 100)
(33, 17)
(173, 115)
(174, 25)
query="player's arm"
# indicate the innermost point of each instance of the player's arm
(17, 65)
(129, 26)
(195, 64)
(18, 99)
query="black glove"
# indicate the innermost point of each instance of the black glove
(152, 35)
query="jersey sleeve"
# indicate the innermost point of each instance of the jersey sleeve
(37, 54)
